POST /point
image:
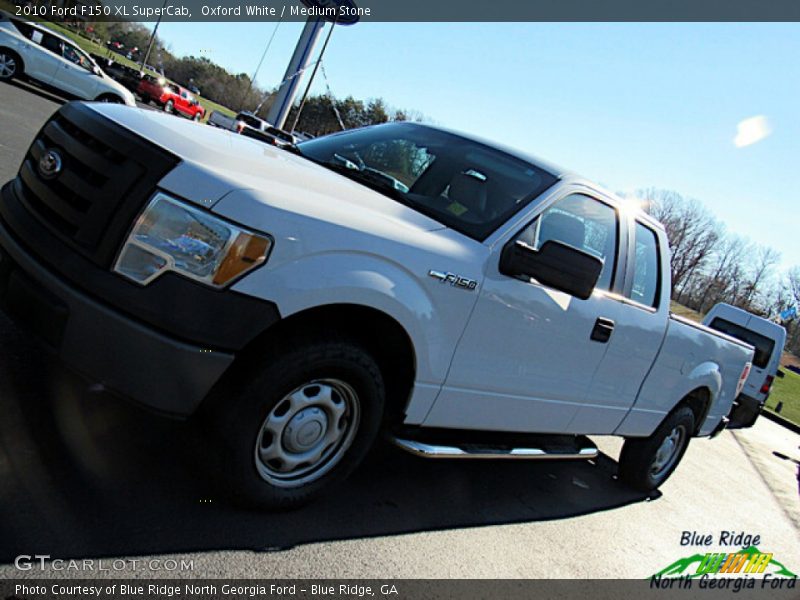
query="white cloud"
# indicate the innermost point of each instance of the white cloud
(751, 130)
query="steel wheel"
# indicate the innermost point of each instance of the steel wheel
(8, 66)
(168, 106)
(307, 433)
(668, 451)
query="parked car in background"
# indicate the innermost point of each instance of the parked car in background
(31, 51)
(170, 97)
(127, 76)
(249, 125)
(768, 339)
(180, 101)
(499, 307)
(153, 89)
(243, 118)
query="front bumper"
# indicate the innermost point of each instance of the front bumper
(102, 344)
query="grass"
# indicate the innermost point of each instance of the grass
(94, 48)
(687, 313)
(787, 391)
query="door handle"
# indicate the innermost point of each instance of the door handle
(603, 328)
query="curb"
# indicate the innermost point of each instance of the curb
(776, 418)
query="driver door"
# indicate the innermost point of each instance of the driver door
(529, 353)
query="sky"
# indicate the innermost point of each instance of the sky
(707, 110)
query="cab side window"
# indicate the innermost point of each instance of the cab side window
(583, 223)
(645, 267)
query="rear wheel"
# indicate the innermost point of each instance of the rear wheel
(145, 99)
(646, 463)
(197, 116)
(169, 106)
(10, 65)
(291, 425)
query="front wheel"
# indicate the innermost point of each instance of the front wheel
(646, 463)
(290, 426)
(10, 65)
(169, 106)
(197, 116)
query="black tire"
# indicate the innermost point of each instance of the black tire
(640, 464)
(235, 422)
(169, 107)
(197, 117)
(11, 65)
(145, 99)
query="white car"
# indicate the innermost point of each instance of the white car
(30, 51)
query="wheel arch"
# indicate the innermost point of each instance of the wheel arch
(699, 400)
(378, 332)
(111, 96)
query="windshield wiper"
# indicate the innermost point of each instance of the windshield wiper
(370, 179)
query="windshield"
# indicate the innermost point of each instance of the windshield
(461, 183)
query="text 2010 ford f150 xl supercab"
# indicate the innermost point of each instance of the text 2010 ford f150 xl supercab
(469, 300)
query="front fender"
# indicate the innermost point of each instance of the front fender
(366, 260)
(360, 279)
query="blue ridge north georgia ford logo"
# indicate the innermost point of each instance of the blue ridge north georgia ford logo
(50, 164)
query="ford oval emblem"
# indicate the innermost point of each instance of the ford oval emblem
(50, 164)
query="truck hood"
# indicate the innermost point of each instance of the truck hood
(215, 162)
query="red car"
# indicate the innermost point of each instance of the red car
(170, 97)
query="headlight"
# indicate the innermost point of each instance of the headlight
(173, 236)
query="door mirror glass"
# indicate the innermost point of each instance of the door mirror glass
(555, 265)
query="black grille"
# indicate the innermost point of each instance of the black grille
(107, 174)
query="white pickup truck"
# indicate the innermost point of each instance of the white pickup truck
(468, 300)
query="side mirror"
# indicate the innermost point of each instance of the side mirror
(555, 265)
(97, 71)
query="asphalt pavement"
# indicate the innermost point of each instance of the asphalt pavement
(84, 474)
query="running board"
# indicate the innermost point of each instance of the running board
(475, 451)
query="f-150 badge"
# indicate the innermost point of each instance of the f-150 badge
(454, 280)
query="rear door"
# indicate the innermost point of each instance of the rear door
(528, 356)
(638, 334)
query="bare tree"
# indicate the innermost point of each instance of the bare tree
(766, 259)
(692, 230)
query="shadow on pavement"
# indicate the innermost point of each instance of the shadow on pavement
(39, 91)
(85, 474)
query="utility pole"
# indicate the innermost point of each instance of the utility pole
(152, 37)
(258, 68)
(311, 78)
(302, 57)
